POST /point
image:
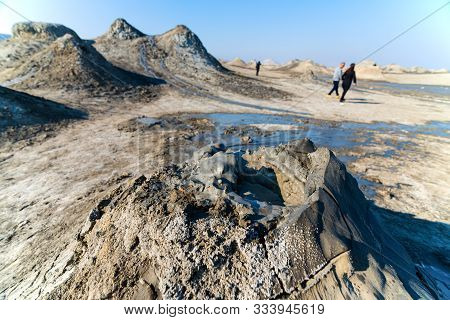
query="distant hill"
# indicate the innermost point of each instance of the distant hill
(395, 68)
(270, 63)
(369, 70)
(304, 67)
(237, 62)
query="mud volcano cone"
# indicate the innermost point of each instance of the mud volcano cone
(287, 222)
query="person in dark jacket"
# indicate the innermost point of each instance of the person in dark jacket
(348, 77)
(258, 66)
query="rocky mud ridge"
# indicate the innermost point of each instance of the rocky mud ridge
(28, 38)
(120, 29)
(18, 109)
(51, 56)
(41, 30)
(177, 56)
(273, 223)
(44, 56)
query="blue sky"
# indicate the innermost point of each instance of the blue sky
(325, 31)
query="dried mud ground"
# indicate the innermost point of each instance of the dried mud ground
(50, 182)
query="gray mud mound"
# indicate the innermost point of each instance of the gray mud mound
(188, 128)
(286, 222)
(41, 30)
(48, 60)
(181, 45)
(27, 39)
(179, 57)
(22, 115)
(122, 30)
(175, 49)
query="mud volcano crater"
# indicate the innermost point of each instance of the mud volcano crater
(287, 222)
(260, 185)
(264, 180)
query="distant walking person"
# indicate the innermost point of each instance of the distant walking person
(258, 66)
(348, 77)
(336, 78)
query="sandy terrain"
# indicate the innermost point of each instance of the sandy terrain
(436, 79)
(40, 181)
(365, 70)
(363, 105)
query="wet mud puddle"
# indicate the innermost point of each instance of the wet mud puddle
(250, 131)
(247, 131)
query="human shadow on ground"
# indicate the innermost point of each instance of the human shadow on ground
(427, 242)
(258, 107)
(418, 235)
(361, 101)
(364, 102)
(193, 89)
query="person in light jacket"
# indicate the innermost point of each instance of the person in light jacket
(336, 78)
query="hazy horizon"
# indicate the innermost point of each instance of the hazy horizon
(324, 31)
